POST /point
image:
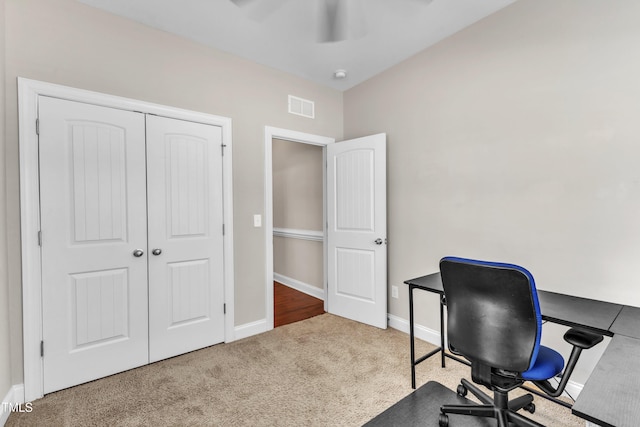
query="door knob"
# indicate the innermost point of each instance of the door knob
(156, 251)
(138, 253)
(378, 241)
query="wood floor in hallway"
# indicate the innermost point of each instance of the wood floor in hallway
(291, 305)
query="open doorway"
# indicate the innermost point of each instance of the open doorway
(355, 231)
(295, 222)
(298, 206)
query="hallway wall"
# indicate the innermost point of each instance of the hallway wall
(298, 204)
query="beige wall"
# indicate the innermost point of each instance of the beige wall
(516, 140)
(65, 42)
(298, 204)
(5, 364)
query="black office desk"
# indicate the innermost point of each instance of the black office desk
(430, 283)
(611, 395)
(614, 374)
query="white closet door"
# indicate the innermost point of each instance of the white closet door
(186, 292)
(93, 218)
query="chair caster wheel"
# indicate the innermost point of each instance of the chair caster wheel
(461, 390)
(443, 420)
(530, 408)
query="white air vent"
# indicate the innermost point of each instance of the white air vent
(301, 107)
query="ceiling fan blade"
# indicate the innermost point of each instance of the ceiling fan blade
(332, 21)
(357, 26)
(422, 2)
(242, 3)
(259, 10)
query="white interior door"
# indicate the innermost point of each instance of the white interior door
(357, 229)
(186, 282)
(93, 218)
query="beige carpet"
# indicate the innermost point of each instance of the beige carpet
(324, 371)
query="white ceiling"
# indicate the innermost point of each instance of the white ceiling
(286, 38)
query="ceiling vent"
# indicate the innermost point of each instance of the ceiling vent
(301, 107)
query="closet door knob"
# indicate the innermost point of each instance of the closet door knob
(138, 253)
(156, 251)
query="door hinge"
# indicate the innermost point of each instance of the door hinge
(223, 231)
(37, 126)
(40, 238)
(41, 348)
(224, 308)
(223, 146)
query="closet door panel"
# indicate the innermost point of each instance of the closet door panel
(186, 292)
(93, 218)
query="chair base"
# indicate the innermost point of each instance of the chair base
(500, 408)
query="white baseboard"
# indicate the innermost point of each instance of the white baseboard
(4, 414)
(572, 389)
(260, 326)
(15, 395)
(250, 329)
(421, 332)
(299, 286)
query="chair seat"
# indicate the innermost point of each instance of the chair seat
(548, 364)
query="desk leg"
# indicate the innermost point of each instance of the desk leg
(442, 357)
(411, 336)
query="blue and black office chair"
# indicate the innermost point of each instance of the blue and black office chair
(494, 321)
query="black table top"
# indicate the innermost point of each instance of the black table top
(576, 311)
(431, 282)
(558, 308)
(611, 395)
(628, 322)
(422, 408)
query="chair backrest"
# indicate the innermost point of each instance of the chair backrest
(493, 314)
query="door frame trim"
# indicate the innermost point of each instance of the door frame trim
(28, 93)
(305, 138)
